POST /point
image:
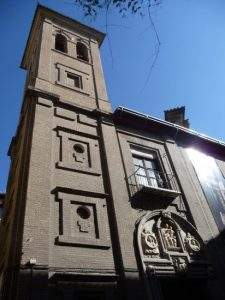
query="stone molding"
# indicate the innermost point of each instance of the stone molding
(77, 231)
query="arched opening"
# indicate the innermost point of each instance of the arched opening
(82, 51)
(171, 252)
(61, 43)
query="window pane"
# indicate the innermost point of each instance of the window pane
(152, 178)
(140, 171)
(142, 180)
(151, 172)
(138, 161)
(212, 182)
(142, 176)
(150, 164)
(146, 168)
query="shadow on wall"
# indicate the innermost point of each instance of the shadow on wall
(215, 249)
(202, 278)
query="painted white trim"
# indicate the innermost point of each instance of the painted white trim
(143, 154)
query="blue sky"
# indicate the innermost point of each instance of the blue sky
(190, 69)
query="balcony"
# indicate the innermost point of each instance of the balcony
(146, 183)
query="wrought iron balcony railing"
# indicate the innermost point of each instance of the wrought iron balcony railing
(152, 181)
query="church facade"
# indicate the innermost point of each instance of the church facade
(102, 204)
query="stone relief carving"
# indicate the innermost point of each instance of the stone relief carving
(192, 243)
(180, 264)
(169, 242)
(149, 242)
(169, 237)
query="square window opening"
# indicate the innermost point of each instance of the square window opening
(74, 81)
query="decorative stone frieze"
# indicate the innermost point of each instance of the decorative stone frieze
(169, 244)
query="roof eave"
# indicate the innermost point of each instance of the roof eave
(169, 125)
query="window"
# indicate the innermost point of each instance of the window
(82, 51)
(61, 43)
(147, 171)
(74, 81)
(212, 183)
(148, 178)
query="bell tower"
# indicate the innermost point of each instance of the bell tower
(62, 57)
(57, 199)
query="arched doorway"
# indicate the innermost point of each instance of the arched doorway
(172, 257)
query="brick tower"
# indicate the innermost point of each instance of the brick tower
(57, 194)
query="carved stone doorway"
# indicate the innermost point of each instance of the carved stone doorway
(172, 256)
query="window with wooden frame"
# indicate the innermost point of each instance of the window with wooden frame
(147, 169)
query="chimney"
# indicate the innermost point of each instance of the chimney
(177, 116)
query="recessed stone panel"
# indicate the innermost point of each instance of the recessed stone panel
(65, 114)
(83, 119)
(78, 153)
(62, 79)
(82, 221)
